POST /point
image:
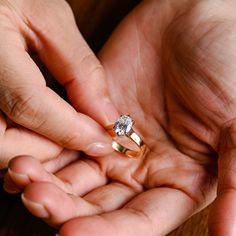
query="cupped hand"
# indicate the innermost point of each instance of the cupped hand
(170, 65)
(39, 114)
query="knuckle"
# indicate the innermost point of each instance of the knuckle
(87, 58)
(71, 140)
(21, 107)
(18, 106)
(91, 65)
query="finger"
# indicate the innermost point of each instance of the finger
(78, 178)
(154, 212)
(16, 140)
(24, 170)
(49, 196)
(111, 196)
(63, 49)
(27, 101)
(65, 158)
(9, 186)
(83, 176)
(20, 141)
(43, 199)
(51, 166)
(223, 213)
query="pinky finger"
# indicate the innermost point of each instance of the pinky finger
(49, 202)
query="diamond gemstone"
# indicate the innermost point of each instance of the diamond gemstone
(123, 125)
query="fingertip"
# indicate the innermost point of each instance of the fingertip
(36, 197)
(23, 170)
(21, 164)
(35, 208)
(46, 196)
(16, 172)
(18, 178)
(20, 168)
(9, 186)
(40, 192)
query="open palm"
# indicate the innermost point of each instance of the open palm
(164, 67)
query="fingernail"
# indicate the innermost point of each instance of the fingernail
(10, 189)
(110, 112)
(98, 149)
(35, 208)
(19, 177)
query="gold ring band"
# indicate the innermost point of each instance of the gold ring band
(131, 134)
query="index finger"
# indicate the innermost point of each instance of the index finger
(154, 212)
(27, 101)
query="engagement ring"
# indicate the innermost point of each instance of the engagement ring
(123, 127)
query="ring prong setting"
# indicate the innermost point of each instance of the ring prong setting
(123, 125)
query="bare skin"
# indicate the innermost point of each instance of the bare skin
(171, 66)
(48, 28)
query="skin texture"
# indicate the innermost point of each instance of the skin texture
(27, 104)
(170, 65)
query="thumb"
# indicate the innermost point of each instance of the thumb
(223, 213)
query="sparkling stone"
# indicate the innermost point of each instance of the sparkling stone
(123, 125)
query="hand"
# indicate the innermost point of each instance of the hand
(170, 65)
(47, 27)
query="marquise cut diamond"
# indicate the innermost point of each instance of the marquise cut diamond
(123, 125)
